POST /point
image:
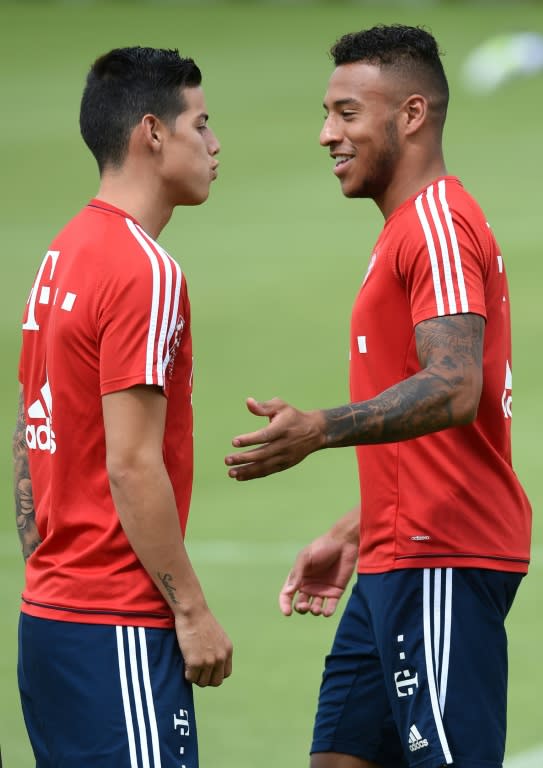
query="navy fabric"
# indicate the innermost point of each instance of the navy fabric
(99, 695)
(417, 675)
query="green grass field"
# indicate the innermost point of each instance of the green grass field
(273, 260)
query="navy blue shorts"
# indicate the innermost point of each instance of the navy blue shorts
(417, 675)
(108, 696)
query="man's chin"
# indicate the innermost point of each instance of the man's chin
(194, 199)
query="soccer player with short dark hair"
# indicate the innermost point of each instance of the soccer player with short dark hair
(417, 675)
(114, 627)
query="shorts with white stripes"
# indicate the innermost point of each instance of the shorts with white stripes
(417, 675)
(108, 696)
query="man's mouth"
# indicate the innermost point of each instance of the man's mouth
(342, 159)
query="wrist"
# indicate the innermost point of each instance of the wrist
(318, 419)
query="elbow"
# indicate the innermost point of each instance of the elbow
(125, 470)
(468, 402)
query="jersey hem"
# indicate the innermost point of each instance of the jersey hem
(485, 562)
(96, 616)
(117, 385)
(431, 313)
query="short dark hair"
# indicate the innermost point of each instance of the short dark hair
(125, 84)
(411, 51)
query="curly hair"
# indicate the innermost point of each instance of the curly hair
(411, 52)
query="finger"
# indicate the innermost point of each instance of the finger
(287, 593)
(228, 665)
(204, 676)
(330, 607)
(217, 675)
(303, 603)
(316, 605)
(192, 674)
(262, 452)
(257, 469)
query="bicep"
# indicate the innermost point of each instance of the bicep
(134, 421)
(452, 343)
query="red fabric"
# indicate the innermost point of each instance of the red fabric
(109, 309)
(449, 498)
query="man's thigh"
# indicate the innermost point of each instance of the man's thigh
(418, 672)
(112, 696)
(354, 717)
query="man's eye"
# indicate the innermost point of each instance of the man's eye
(347, 115)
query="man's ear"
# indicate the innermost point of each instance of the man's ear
(152, 131)
(414, 112)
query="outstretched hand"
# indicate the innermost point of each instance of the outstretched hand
(319, 576)
(288, 438)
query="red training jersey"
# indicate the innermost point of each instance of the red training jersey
(108, 310)
(450, 498)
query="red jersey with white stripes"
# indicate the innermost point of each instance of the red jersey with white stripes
(108, 310)
(450, 498)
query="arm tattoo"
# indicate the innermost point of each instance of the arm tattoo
(444, 393)
(166, 580)
(24, 501)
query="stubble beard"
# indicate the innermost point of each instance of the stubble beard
(379, 175)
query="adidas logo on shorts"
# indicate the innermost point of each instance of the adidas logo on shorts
(415, 739)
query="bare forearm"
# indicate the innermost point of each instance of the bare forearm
(146, 506)
(25, 515)
(347, 528)
(417, 406)
(444, 393)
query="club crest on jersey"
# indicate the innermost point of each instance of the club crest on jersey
(175, 343)
(507, 396)
(370, 266)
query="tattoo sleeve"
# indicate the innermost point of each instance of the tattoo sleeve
(24, 502)
(444, 393)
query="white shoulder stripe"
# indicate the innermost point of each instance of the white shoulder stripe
(444, 249)
(175, 309)
(163, 322)
(464, 306)
(439, 251)
(153, 319)
(433, 255)
(162, 350)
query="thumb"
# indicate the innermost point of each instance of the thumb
(289, 589)
(268, 408)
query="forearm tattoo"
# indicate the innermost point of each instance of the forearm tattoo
(25, 514)
(450, 353)
(166, 580)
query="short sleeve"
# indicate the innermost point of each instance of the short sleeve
(138, 309)
(442, 258)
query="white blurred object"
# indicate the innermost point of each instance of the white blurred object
(502, 58)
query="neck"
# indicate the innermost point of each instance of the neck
(139, 195)
(408, 181)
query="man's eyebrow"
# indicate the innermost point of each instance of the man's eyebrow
(347, 102)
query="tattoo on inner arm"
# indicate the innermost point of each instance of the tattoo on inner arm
(25, 514)
(166, 580)
(450, 351)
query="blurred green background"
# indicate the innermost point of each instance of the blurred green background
(274, 260)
